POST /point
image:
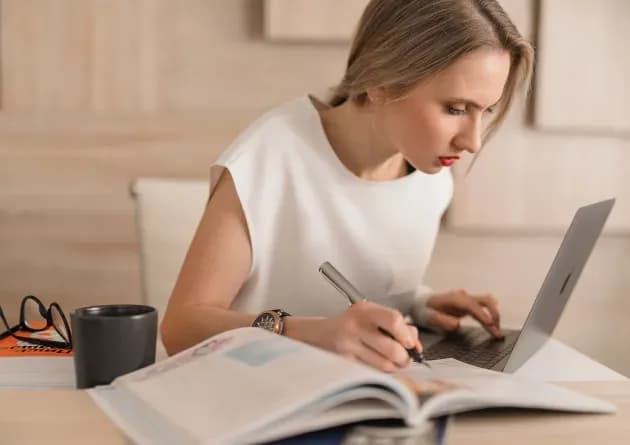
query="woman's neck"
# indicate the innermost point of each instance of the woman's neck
(358, 144)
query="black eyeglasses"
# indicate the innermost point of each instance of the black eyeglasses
(35, 317)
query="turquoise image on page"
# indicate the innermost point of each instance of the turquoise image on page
(260, 352)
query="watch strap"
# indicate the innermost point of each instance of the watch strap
(281, 315)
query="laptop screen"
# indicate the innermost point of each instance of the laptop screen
(560, 281)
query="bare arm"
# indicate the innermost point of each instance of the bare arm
(216, 266)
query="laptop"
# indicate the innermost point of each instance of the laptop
(475, 346)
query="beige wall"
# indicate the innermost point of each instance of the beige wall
(97, 93)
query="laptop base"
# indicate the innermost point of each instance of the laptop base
(473, 345)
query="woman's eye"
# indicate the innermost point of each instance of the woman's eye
(455, 111)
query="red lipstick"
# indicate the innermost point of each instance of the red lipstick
(447, 161)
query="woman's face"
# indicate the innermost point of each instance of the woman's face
(446, 114)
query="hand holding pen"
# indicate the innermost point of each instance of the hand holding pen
(339, 282)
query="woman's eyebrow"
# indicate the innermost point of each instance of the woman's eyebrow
(472, 103)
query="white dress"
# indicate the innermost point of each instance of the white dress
(303, 207)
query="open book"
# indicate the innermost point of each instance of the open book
(250, 386)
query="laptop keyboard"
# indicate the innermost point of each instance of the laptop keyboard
(473, 346)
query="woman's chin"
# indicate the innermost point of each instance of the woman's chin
(430, 169)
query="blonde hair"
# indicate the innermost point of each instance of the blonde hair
(399, 43)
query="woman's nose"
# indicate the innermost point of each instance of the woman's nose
(469, 138)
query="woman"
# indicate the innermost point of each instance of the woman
(361, 181)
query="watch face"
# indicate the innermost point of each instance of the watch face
(266, 321)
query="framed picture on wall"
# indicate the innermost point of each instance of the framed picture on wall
(583, 67)
(311, 20)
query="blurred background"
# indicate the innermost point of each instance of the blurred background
(97, 93)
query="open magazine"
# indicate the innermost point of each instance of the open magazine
(250, 386)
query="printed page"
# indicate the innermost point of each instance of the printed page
(451, 386)
(25, 365)
(37, 373)
(236, 382)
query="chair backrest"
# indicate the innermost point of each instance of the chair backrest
(167, 214)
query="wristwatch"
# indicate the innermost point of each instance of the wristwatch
(271, 320)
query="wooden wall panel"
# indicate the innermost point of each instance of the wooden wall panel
(213, 57)
(67, 226)
(79, 55)
(99, 92)
(582, 81)
(128, 56)
(72, 256)
(312, 20)
(151, 55)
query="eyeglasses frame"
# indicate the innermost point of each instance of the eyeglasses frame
(46, 314)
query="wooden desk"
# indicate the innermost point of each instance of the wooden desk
(69, 417)
(54, 417)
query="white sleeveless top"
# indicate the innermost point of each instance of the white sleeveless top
(304, 207)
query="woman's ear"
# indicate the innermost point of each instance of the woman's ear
(376, 96)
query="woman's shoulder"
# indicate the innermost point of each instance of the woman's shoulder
(275, 129)
(284, 118)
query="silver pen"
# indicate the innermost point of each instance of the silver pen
(345, 287)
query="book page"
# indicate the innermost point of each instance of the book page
(451, 386)
(36, 373)
(25, 365)
(240, 381)
(246, 384)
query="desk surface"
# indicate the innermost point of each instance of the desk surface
(70, 417)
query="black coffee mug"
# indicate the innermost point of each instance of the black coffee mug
(112, 340)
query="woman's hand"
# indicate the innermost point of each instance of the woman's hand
(446, 309)
(358, 334)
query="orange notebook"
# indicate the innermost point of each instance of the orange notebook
(12, 347)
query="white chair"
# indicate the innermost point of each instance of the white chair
(167, 214)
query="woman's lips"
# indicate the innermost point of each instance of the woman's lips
(447, 161)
